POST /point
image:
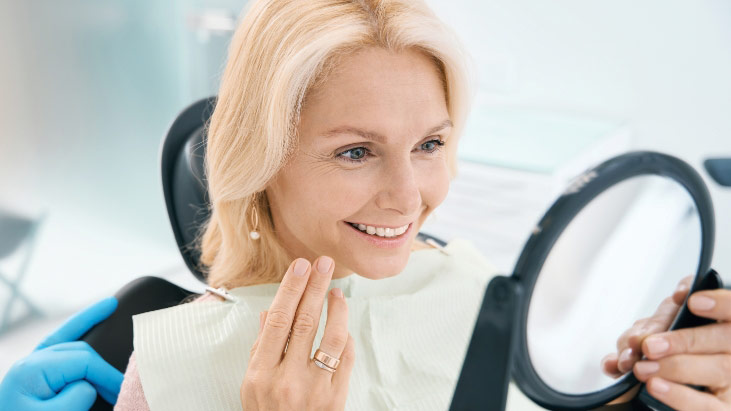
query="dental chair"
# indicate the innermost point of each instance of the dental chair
(186, 198)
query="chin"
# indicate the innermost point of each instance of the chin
(380, 268)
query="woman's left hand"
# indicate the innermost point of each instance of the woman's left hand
(697, 356)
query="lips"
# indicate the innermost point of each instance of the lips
(380, 231)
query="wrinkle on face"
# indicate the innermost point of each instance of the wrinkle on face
(397, 95)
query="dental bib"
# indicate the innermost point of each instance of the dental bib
(411, 334)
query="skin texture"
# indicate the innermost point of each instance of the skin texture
(401, 180)
(399, 96)
(697, 356)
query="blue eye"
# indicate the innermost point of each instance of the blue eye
(356, 154)
(436, 144)
(359, 154)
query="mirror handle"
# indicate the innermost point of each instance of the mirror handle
(710, 281)
(486, 371)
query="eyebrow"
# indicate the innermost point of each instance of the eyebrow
(370, 135)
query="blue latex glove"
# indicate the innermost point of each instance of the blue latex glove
(62, 373)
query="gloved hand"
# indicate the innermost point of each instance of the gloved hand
(62, 373)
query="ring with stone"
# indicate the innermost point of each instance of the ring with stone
(325, 361)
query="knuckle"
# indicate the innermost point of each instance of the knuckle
(86, 356)
(338, 339)
(304, 324)
(278, 319)
(349, 351)
(286, 393)
(290, 290)
(317, 287)
(683, 341)
(656, 325)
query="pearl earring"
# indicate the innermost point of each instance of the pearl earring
(255, 217)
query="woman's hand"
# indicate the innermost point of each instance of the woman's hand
(696, 356)
(277, 379)
(629, 344)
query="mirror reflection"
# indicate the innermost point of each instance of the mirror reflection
(628, 249)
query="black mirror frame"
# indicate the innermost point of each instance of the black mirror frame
(584, 189)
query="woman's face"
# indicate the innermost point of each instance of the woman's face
(368, 153)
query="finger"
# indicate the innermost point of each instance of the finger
(80, 323)
(262, 320)
(307, 318)
(714, 304)
(707, 339)
(108, 392)
(629, 345)
(336, 329)
(341, 377)
(627, 358)
(682, 290)
(659, 321)
(63, 365)
(79, 395)
(609, 365)
(696, 369)
(281, 314)
(681, 397)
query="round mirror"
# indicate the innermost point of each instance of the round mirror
(606, 254)
(614, 263)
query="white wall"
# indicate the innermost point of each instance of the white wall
(664, 66)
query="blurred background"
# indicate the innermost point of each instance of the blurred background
(88, 89)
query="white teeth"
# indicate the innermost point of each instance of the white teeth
(380, 231)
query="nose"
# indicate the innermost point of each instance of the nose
(399, 188)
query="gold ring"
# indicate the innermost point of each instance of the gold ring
(326, 359)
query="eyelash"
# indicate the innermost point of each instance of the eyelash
(439, 144)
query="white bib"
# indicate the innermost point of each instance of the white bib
(411, 333)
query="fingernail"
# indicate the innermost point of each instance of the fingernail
(625, 359)
(337, 292)
(701, 302)
(324, 264)
(659, 385)
(657, 345)
(681, 287)
(647, 367)
(300, 267)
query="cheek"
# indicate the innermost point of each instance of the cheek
(324, 197)
(434, 183)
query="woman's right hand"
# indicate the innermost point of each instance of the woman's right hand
(277, 379)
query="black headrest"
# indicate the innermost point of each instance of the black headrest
(183, 178)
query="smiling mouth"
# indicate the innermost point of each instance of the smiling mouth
(380, 231)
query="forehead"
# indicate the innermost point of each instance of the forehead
(388, 92)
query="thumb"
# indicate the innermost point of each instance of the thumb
(79, 395)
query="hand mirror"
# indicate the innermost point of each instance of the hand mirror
(606, 254)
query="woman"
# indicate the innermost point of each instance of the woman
(333, 139)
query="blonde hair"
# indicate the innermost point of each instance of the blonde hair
(280, 50)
